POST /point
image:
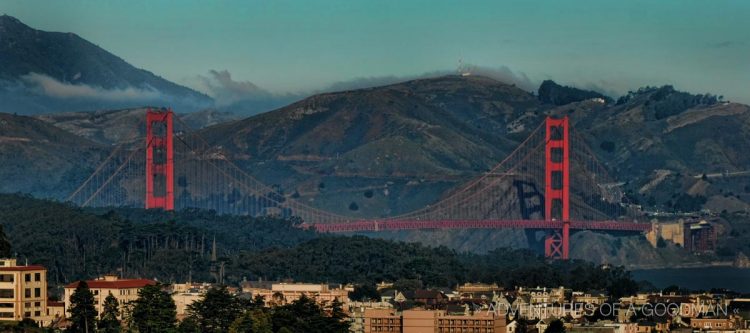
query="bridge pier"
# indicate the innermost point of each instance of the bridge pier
(557, 186)
(557, 243)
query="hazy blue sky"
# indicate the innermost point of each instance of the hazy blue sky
(293, 46)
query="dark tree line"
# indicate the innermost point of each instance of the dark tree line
(174, 246)
(665, 101)
(553, 93)
(74, 243)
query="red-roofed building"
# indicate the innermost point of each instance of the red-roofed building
(56, 311)
(23, 291)
(125, 290)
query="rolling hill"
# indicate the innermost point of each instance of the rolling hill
(116, 126)
(43, 160)
(407, 142)
(395, 148)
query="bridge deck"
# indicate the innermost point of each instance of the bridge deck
(386, 225)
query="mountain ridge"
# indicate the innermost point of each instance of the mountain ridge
(48, 67)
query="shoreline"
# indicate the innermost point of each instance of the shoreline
(684, 265)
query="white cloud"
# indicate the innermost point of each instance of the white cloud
(504, 74)
(225, 91)
(49, 86)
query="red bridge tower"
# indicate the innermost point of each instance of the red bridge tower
(159, 159)
(557, 187)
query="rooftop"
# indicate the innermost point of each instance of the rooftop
(114, 284)
(22, 268)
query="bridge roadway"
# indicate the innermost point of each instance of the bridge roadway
(388, 225)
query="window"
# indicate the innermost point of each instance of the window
(6, 277)
(6, 305)
(28, 277)
(37, 292)
(37, 276)
(27, 314)
(27, 292)
(6, 293)
(6, 314)
(37, 304)
(37, 313)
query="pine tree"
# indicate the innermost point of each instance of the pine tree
(216, 311)
(108, 321)
(154, 310)
(4, 244)
(338, 322)
(259, 301)
(255, 321)
(82, 311)
(304, 315)
(556, 326)
(188, 325)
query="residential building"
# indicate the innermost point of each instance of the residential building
(381, 320)
(597, 298)
(185, 294)
(713, 324)
(432, 321)
(124, 290)
(432, 299)
(605, 327)
(478, 287)
(55, 309)
(653, 326)
(384, 285)
(513, 327)
(479, 322)
(23, 291)
(282, 293)
(544, 295)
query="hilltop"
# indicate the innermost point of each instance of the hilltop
(55, 71)
(405, 142)
(661, 141)
(125, 125)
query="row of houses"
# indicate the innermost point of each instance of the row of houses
(536, 308)
(468, 308)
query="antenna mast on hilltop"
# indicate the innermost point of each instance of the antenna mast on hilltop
(462, 69)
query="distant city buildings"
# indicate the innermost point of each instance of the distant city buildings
(439, 321)
(467, 308)
(489, 308)
(694, 236)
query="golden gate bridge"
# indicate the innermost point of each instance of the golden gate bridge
(552, 181)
